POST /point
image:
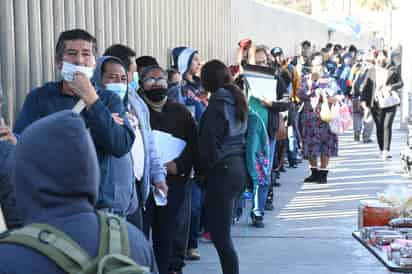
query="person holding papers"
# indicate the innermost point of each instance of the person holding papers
(267, 101)
(222, 148)
(170, 121)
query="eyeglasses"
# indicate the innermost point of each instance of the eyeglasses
(151, 81)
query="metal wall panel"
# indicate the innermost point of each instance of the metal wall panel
(30, 29)
(80, 14)
(89, 14)
(99, 24)
(7, 55)
(47, 40)
(35, 43)
(22, 50)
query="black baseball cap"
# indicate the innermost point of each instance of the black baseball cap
(276, 51)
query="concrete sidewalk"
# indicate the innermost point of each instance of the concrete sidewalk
(310, 229)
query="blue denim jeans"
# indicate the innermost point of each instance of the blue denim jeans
(197, 202)
(260, 194)
(292, 148)
(272, 151)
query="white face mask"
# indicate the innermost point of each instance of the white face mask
(118, 88)
(68, 71)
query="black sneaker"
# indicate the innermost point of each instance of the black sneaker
(257, 221)
(269, 207)
(367, 141)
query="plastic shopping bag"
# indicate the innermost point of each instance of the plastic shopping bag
(346, 117)
(335, 123)
(325, 113)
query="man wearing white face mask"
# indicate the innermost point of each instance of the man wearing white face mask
(75, 58)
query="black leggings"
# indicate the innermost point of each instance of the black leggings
(223, 185)
(384, 119)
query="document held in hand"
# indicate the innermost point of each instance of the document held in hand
(261, 85)
(168, 147)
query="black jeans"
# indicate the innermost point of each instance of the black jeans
(163, 220)
(384, 119)
(180, 242)
(223, 185)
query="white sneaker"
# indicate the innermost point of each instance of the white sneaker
(386, 155)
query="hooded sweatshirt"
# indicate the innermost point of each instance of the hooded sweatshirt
(221, 134)
(110, 139)
(57, 182)
(7, 192)
(119, 190)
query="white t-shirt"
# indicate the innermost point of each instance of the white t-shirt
(138, 151)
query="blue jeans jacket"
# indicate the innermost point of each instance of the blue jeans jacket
(153, 169)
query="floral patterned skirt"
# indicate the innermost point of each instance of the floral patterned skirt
(317, 137)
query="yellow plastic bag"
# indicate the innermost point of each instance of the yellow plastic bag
(325, 112)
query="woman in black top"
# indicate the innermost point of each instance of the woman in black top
(175, 119)
(222, 157)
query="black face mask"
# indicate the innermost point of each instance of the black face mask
(156, 95)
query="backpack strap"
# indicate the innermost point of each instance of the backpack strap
(52, 243)
(114, 237)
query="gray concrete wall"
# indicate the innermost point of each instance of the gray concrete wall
(274, 25)
(29, 30)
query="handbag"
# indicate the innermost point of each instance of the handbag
(390, 100)
(281, 133)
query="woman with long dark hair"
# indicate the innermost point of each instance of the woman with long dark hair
(388, 83)
(222, 157)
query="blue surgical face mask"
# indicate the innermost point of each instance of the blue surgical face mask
(118, 88)
(134, 84)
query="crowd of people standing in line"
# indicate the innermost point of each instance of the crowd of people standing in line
(60, 164)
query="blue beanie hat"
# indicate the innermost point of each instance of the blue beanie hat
(182, 58)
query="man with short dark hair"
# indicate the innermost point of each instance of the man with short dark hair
(153, 170)
(303, 61)
(144, 62)
(75, 58)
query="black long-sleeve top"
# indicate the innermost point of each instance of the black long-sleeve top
(281, 105)
(368, 87)
(177, 120)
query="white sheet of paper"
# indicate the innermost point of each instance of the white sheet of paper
(168, 146)
(2, 222)
(261, 85)
(138, 155)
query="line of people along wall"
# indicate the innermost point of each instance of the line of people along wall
(29, 31)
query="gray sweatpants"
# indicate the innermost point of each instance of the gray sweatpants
(359, 123)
